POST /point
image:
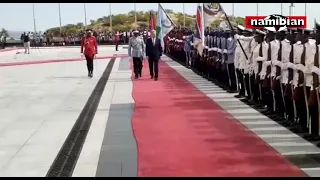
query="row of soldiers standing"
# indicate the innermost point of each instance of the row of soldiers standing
(277, 73)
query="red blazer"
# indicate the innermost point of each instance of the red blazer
(90, 46)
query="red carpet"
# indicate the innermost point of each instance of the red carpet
(56, 60)
(181, 132)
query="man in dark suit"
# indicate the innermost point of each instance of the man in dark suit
(153, 52)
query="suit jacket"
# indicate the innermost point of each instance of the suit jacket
(153, 51)
(136, 47)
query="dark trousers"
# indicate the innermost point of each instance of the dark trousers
(289, 102)
(137, 66)
(153, 67)
(302, 107)
(314, 114)
(89, 62)
(232, 76)
(279, 99)
(117, 44)
(247, 84)
(241, 82)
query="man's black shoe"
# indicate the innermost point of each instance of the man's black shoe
(151, 77)
(136, 76)
(239, 96)
(156, 79)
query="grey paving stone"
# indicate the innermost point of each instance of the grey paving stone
(119, 154)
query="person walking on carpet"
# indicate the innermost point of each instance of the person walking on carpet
(153, 53)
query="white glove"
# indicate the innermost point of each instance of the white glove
(261, 58)
(215, 49)
(300, 67)
(247, 61)
(316, 70)
(236, 36)
(284, 67)
(292, 66)
(267, 63)
(278, 77)
(219, 50)
(225, 51)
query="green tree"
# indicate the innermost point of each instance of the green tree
(4, 32)
(126, 22)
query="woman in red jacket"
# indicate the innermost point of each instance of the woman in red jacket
(89, 49)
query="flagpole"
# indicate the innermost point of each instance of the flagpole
(110, 16)
(34, 19)
(202, 24)
(85, 15)
(281, 9)
(232, 10)
(60, 18)
(184, 16)
(231, 27)
(135, 15)
(305, 9)
(257, 9)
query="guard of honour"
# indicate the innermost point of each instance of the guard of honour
(277, 73)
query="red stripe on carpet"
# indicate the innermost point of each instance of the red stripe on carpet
(182, 132)
(55, 61)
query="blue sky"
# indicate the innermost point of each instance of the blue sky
(47, 13)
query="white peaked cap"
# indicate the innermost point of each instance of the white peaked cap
(260, 32)
(241, 27)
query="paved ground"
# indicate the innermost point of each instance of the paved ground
(40, 103)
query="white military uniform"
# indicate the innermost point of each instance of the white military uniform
(263, 58)
(275, 45)
(250, 62)
(307, 69)
(254, 57)
(245, 42)
(314, 68)
(297, 52)
(285, 60)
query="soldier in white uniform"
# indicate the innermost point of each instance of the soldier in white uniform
(136, 50)
(256, 52)
(244, 67)
(301, 92)
(262, 61)
(238, 52)
(314, 97)
(277, 100)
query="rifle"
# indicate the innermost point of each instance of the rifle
(259, 71)
(278, 74)
(266, 81)
(314, 94)
(278, 69)
(298, 91)
(214, 58)
(219, 57)
(209, 61)
(312, 101)
(225, 57)
(288, 91)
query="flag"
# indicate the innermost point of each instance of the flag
(164, 24)
(152, 21)
(211, 13)
(316, 25)
(197, 42)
